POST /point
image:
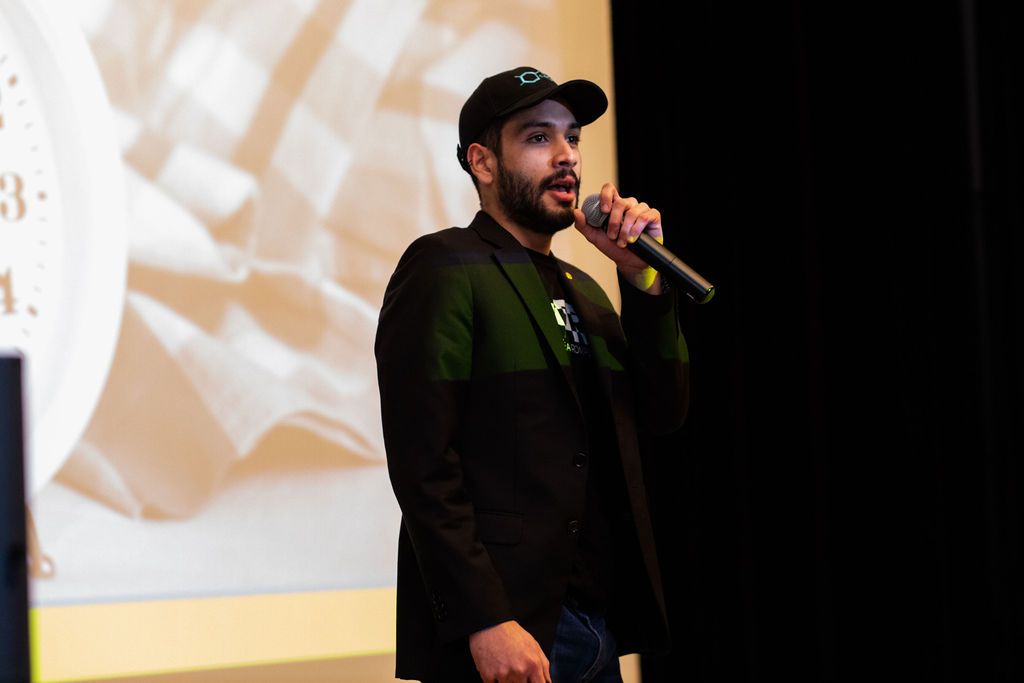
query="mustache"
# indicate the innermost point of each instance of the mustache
(566, 172)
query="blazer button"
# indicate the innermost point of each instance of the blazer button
(580, 459)
(574, 527)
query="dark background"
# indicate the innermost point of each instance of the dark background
(842, 504)
(14, 632)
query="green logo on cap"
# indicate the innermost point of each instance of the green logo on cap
(531, 77)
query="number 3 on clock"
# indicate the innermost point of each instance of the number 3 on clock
(12, 205)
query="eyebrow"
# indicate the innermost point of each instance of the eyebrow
(546, 124)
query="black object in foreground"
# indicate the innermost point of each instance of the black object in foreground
(14, 643)
(656, 255)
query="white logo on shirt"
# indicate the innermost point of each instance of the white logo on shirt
(575, 339)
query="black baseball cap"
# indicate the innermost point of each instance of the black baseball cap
(520, 88)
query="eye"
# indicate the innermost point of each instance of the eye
(574, 139)
(537, 137)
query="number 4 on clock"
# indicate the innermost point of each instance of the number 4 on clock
(7, 293)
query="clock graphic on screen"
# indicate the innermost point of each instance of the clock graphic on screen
(62, 226)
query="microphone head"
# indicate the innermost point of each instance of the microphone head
(592, 211)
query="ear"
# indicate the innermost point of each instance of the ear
(482, 163)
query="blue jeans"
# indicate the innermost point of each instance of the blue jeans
(584, 650)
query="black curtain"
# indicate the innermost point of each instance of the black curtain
(843, 503)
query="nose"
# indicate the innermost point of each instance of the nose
(566, 155)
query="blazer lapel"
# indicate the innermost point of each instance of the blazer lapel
(513, 260)
(524, 277)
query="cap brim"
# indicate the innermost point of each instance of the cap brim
(585, 99)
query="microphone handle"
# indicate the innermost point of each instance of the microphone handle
(668, 264)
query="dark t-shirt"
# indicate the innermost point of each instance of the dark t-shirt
(590, 581)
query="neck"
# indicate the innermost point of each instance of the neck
(528, 238)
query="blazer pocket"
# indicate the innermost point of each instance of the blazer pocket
(502, 528)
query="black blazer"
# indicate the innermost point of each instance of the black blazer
(484, 431)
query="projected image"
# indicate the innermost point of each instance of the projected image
(277, 158)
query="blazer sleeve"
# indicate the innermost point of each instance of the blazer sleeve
(659, 358)
(424, 350)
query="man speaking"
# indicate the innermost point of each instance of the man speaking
(512, 395)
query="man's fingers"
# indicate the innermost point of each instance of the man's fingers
(608, 195)
(620, 216)
(508, 654)
(633, 222)
(645, 219)
(627, 218)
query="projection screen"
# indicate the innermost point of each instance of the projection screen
(227, 503)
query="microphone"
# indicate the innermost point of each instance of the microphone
(656, 256)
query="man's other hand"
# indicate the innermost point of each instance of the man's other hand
(507, 653)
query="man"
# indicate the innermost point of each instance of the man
(511, 399)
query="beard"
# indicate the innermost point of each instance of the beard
(524, 203)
